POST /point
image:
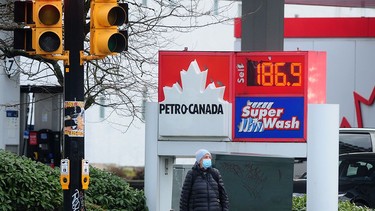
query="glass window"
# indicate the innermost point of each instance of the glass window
(352, 170)
(102, 108)
(355, 142)
(358, 169)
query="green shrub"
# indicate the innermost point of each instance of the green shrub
(347, 206)
(299, 204)
(127, 172)
(28, 185)
(114, 193)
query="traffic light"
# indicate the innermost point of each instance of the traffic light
(23, 13)
(105, 36)
(43, 32)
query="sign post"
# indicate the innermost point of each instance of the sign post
(227, 102)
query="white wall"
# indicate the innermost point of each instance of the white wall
(349, 69)
(292, 11)
(107, 143)
(349, 61)
(9, 101)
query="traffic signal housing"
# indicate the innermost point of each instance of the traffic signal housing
(105, 18)
(43, 32)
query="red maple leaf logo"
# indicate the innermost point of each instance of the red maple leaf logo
(357, 100)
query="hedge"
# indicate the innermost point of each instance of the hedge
(29, 185)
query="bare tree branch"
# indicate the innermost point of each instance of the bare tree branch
(121, 80)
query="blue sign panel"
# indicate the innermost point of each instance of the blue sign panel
(11, 113)
(269, 117)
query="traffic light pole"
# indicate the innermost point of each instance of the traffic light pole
(74, 103)
(42, 35)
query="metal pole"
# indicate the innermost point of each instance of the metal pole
(262, 25)
(74, 102)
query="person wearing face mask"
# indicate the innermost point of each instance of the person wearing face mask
(203, 188)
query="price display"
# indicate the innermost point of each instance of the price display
(274, 73)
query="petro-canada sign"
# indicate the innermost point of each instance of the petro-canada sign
(238, 96)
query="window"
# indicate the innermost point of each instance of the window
(355, 142)
(358, 169)
(216, 7)
(102, 108)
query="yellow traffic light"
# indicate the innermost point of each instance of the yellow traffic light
(47, 15)
(105, 37)
(43, 34)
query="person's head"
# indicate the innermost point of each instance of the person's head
(203, 158)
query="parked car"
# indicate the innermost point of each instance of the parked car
(356, 178)
(350, 140)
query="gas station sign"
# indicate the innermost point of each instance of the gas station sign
(268, 93)
(194, 95)
(272, 90)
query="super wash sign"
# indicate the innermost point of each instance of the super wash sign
(265, 118)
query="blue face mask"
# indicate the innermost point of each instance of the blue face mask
(206, 163)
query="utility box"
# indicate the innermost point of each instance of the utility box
(256, 182)
(179, 174)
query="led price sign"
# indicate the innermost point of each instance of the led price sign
(272, 92)
(274, 73)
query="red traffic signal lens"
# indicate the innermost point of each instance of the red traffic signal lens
(49, 15)
(49, 42)
(116, 43)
